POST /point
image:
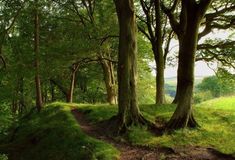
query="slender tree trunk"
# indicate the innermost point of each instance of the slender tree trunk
(45, 93)
(72, 83)
(52, 88)
(128, 110)
(71, 88)
(21, 90)
(109, 81)
(36, 50)
(160, 91)
(153, 20)
(159, 56)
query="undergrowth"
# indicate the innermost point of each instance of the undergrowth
(54, 134)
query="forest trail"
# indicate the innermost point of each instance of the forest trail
(130, 152)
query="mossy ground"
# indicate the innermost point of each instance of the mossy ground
(54, 134)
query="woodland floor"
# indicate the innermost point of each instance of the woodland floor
(131, 152)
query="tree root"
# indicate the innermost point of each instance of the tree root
(117, 126)
(181, 122)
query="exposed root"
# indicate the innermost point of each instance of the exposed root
(118, 126)
(181, 122)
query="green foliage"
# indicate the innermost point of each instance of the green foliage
(54, 134)
(222, 103)
(211, 84)
(146, 81)
(202, 96)
(220, 85)
(3, 157)
(6, 119)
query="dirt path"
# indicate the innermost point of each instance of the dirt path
(130, 152)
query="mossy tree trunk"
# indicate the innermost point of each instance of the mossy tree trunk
(187, 30)
(128, 111)
(109, 80)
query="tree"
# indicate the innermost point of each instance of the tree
(128, 110)
(218, 17)
(220, 51)
(36, 50)
(11, 11)
(187, 30)
(91, 16)
(220, 85)
(109, 80)
(152, 20)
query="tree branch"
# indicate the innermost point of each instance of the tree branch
(3, 61)
(220, 45)
(170, 14)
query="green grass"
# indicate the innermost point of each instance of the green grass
(223, 103)
(216, 118)
(55, 135)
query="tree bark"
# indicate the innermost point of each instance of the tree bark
(39, 102)
(159, 56)
(191, 17)
(153, 21)
(128, 110)
(52, 88)
(21, 96)
(72, 83)
(109, 80)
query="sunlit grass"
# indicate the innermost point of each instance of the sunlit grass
(223, 103)
(216, 119)
(58, 136)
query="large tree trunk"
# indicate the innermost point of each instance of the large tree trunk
(183, 115)
(159, 57)
(109, 81)
(176, 99)
(128, 111)
(191, 15)
(36, 50)
(179, 86)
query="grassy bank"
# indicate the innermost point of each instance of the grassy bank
(54, 134)
(216, 118)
